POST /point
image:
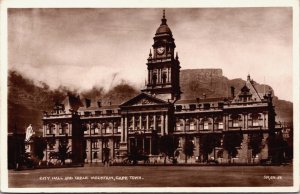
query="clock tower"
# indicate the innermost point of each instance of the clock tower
(163, 66)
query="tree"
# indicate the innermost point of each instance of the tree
(207, 143)
(230, 143)
(63, 151)
(39, 146)
(277, 147)
(167, 146)
(188, 149)
(255, 143)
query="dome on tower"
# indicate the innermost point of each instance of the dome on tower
(163, 28)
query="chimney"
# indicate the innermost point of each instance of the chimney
(87, 103)
(232, 91)
(99, 104)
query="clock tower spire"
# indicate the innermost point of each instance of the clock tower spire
(163, 67)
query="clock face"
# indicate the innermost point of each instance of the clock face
(160, 50)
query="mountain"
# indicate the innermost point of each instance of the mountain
(211, 82)
(28, 99)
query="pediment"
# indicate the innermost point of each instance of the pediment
(144, 99)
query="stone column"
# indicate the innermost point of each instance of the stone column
(243, 121)
(197, 124)
(70, 129)
(247, 120)
(213, 122)
(122, 130)
(150, 140)
(140, 122)
(126, 130)
(184, 127)
(225, 121)
(154, 122)
(133, 123)
(147, 122)
(162, 124)
(267, 121)
(167, 124)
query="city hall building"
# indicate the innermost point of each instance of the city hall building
(140, 123)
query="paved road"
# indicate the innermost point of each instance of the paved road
(153, 176)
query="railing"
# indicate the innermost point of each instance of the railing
(198, 109)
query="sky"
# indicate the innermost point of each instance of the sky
(82, 48)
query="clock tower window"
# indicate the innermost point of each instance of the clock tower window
(164, 77)
(154, 79)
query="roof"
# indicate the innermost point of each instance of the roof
(143, 99)
(163, 28)
(93, 108)
(249, 89)
(190, 101)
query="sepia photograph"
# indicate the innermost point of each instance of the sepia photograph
(164, 97)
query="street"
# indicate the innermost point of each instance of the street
(153, 176)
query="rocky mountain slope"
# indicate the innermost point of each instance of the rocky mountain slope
(195, 82)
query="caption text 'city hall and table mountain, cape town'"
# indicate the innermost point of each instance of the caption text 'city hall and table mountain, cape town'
(158, 126)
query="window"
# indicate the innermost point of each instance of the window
(95, 144)
(105, 143)
(94, 128)
(87, 113)
(205, 125)
(117, 144)
(109, 112)
(192, 106)
(255, 120)
(87, 128)
(220, 125)
(235, 120)
(164, 77)
(98, 113)
(131, 124)
(220, 104)
(235, 123)
(154, 78)
(178, 108)
(144, 122)
(50, 129)
(136, 123)
(192, 126)
(206, 106)
(51, 144)
(63, 128)
(95, 155)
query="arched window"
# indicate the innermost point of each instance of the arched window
(255, 119)
(193, 124)
(206, 124)
(95, 156)
(164, 77)
(154, 79)
(235, 120)
(219, 123)
(64, 128)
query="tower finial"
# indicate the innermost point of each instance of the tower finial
(150, 54)
(164, 20)
(248, 77)
(176, 55)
